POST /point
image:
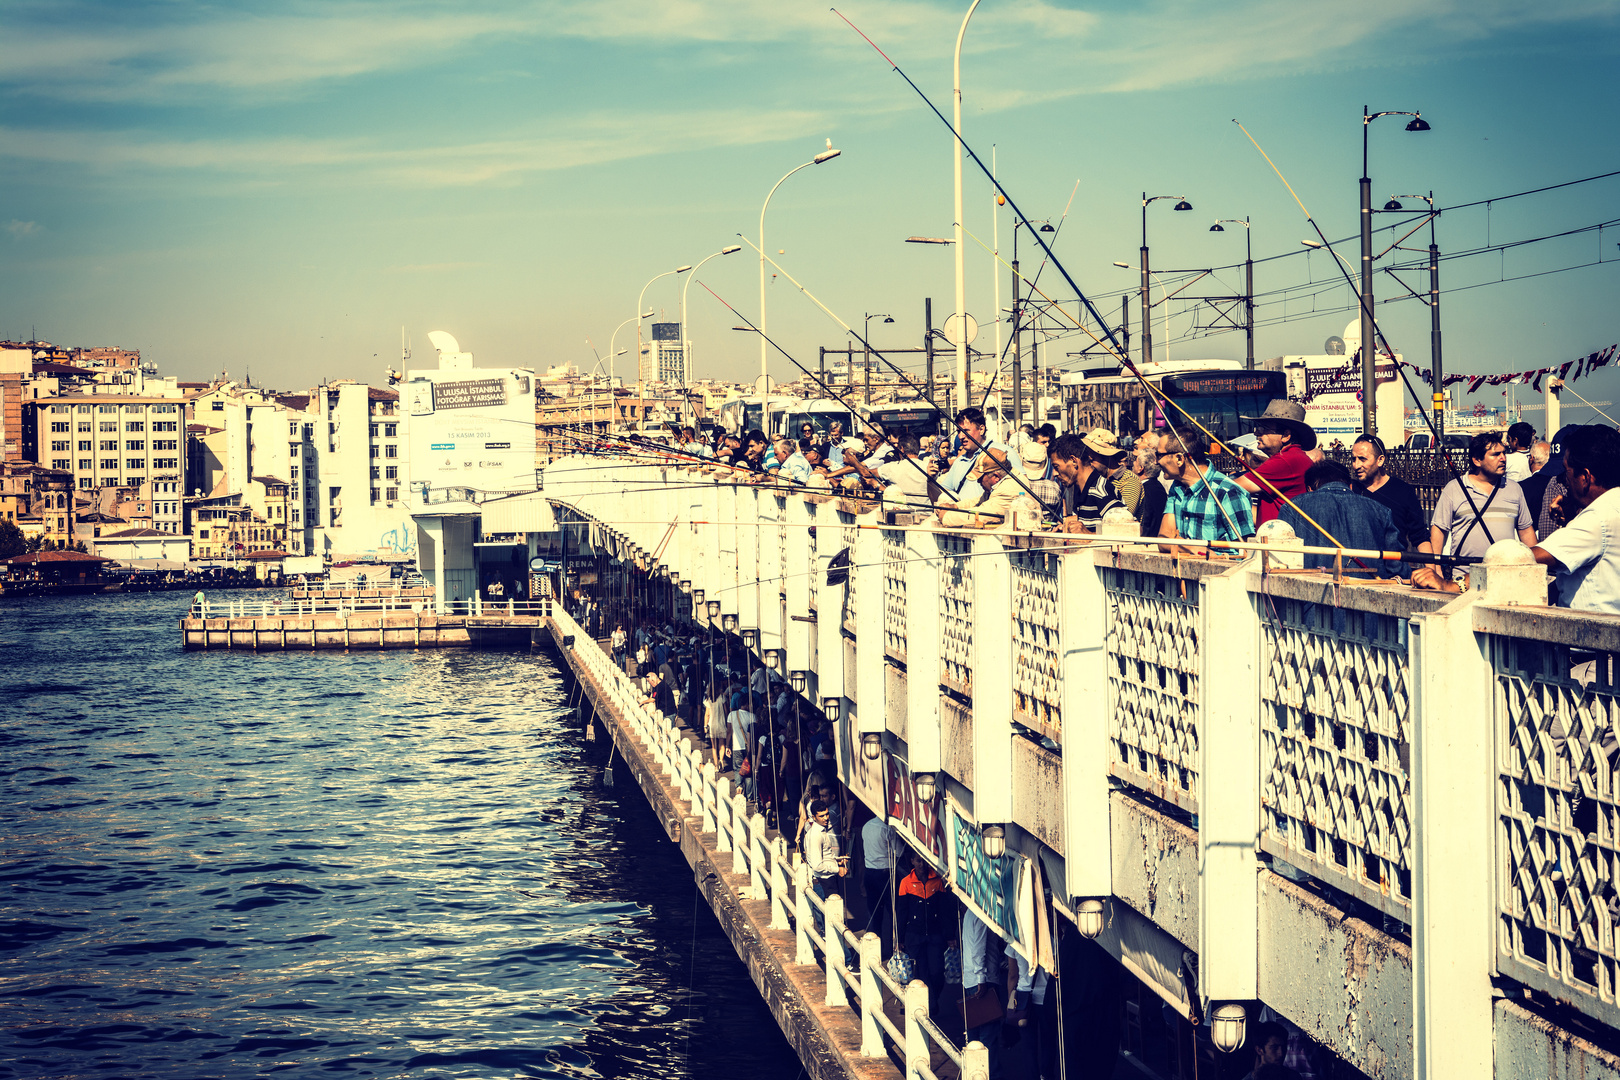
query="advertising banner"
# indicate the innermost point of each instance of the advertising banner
(1000, 891)
(922, 823)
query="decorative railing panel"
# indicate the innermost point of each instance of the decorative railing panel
(1153, 665)
(847, 532)
(1335, 731)
(894, 594)
(1037, 671)
(815, 574)
(956, 613)
(1557, 854)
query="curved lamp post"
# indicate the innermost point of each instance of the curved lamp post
(1248, 280)
(764, 342)
(640, 301)
(686, 344)
(956, 165)
(612, 339)
(1147, 305)
(1369, 350)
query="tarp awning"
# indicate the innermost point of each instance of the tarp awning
(527, 513)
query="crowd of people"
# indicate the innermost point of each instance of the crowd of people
(1512, 485)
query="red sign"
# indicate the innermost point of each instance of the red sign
(922, 820)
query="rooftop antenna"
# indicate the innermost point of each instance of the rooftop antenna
(404, 346)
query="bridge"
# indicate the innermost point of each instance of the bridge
(1385, 814)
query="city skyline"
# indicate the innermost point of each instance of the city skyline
(282, 194)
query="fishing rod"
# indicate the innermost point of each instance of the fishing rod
(1378, 333)
(982, 446)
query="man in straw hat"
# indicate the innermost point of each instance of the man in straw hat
(1285, 437)
(1003, 493)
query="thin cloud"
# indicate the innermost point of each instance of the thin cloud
(587, 140)
(18, 229)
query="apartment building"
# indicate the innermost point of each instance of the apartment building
(113, 441)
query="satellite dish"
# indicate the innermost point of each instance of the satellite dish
(444, 342)
(960, 329)
(1334, 346)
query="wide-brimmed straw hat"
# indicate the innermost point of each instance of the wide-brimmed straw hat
(1101, 441)
(1291, 414)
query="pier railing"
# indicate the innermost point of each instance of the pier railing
(769, 873)
(277, 607)
(1177, 734)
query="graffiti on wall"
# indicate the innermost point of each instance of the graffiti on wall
(400, 541)
(991, 884)
(923, 821)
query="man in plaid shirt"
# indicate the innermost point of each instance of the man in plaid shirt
(1204, 504)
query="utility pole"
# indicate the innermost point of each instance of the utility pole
(867, 353)
(1017, 340)
(1434, 331)
(1125, 324)
(928, 342)
(1248, 292)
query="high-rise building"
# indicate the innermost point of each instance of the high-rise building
(663, 356)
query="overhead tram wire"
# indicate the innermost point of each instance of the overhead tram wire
(1378, 333)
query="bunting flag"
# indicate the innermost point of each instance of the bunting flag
(1569, 371)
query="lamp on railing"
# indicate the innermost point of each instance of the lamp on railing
(729, 624)
(749, 639)
(830, 706)
(773, 659)
(872, 746)
(1088, 918)
(798, 680)
(1228, 1027)
(995, 841)
(686, 587)
(714, 610)
(923, 782)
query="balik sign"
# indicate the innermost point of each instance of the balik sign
(911, 814)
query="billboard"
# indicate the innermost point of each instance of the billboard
(471, 428)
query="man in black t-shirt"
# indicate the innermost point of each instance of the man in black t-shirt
(1399, 497)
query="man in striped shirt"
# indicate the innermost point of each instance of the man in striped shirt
(1203, 504)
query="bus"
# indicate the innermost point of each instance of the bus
(1216, 393)
(906, 418)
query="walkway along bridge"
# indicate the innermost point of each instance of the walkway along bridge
(1353, 803)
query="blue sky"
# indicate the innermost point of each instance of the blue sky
(279, 189)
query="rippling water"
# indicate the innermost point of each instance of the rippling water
(368, 864)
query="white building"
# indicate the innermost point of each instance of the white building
(472, 438)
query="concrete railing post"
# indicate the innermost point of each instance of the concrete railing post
(804, 918)
(758, 856)
(833, 943)
(975, 1061)
(739, 822)
(708, 797)
(779, 880)
(870, 951)
(918, 1054)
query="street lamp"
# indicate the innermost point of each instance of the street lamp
(956, 165)
(866, 339)
(764, 342)
(1248, 280)
(640, 302)
(1147, 314)
(686, 343)
(612, 339)
(1369, 351)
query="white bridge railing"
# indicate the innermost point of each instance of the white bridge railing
(783, 880)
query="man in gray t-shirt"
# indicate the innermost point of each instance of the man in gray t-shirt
(1493, 507)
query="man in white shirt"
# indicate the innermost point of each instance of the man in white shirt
(1584, 554)
(741, 722)
(827, 867)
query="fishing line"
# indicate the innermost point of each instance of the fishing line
(1378, 334)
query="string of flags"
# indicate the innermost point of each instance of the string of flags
(1569, 371)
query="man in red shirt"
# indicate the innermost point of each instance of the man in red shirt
(1284, 435)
